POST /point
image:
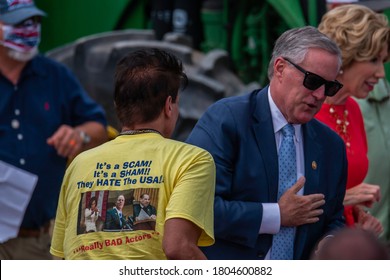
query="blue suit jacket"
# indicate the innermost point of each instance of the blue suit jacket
(113, 221)
(238, 132)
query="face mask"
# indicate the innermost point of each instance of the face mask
(22, 56)
(22, 41)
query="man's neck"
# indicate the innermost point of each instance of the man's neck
(156, 126)
(10, 68)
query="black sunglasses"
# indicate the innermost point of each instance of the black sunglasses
(313, 81)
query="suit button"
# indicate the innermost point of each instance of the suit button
(15, 124)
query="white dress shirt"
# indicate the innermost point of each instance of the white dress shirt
(271, 212)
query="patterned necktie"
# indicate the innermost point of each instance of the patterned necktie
(283, 242)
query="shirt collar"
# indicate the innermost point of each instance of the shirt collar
(34, 67)
(279, 121)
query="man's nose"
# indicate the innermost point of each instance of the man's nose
(319, 93)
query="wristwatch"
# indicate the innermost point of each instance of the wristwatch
(85, 137)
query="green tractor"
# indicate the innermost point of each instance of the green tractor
(225, 45)
(245, 29)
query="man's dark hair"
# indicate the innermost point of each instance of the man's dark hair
(92, 200)
(143, 81)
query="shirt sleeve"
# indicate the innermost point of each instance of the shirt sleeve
(271, 219)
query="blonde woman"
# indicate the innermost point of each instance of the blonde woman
(363, 37)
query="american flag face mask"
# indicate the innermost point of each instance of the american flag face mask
(23, 37)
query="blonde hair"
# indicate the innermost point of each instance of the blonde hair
(359, 32)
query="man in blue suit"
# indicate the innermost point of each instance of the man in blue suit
(243, 134)
(115, 220)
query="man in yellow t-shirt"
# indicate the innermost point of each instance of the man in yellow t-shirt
(179, 178)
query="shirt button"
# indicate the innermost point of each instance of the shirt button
(15, 124)
(20, 136)
(22, 161)
(17, 112)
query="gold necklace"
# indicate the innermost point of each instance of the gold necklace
(342, 124)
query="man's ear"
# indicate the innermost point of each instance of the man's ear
(279, 66)
(168, 106)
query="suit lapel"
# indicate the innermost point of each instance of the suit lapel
(313, 152)
(265, 138)
(313, 156)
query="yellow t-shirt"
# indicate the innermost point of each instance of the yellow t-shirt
(178, 178)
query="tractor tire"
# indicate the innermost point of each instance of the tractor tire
(93, 60)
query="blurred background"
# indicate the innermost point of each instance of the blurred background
(225, 45)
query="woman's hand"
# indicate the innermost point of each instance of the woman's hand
(367, 222)
(363, 194)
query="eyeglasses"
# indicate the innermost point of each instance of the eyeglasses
(313, 81)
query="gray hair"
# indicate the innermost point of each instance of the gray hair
(295, 43)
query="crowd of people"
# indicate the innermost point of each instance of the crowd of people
(289, 171)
